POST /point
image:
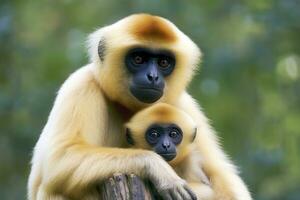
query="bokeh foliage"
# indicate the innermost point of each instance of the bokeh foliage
(248, 84)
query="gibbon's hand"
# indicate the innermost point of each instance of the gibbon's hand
(168, 184)
(181, 192)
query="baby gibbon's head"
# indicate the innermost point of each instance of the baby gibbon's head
(164, 129)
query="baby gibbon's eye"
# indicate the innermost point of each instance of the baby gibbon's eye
(176, 135)
(154, 134)
(173, 134)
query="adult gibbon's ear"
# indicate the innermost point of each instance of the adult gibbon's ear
(129, 138)
(194, 134)
(96, 45)
(101, 49)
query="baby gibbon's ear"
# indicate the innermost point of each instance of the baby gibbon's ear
(129, 138)
(194, 134)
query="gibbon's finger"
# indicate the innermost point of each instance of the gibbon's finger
(166, 195)
(185, 195)
(176, 195)
(191, 193)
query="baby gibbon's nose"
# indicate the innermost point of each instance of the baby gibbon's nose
(166, 144)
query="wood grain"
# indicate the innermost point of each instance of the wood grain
(127, 187)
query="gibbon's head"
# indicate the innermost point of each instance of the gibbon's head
(142, 59)
(164, 129)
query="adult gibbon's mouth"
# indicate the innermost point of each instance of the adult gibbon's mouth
(146, 95)
(168, 156)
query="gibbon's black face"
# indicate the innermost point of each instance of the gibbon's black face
(164, 138)
(148, 68)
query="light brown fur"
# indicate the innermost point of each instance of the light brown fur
(80, 145)
(148, 27)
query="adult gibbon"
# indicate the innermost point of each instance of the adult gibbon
(135, 62)
(170, 133)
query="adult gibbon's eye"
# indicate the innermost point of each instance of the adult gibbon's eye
(173, 134)
(164, 63)
(138, 60)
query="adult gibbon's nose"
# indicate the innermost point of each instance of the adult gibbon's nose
(152, 77)
(153, 74)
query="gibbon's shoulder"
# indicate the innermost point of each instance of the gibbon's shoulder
(79, 82)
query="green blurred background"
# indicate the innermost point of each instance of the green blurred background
(248, 84)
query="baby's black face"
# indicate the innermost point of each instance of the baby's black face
(163, 138)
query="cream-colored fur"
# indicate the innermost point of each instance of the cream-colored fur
(81, 145)
(187, 163)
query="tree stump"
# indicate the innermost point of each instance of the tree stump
(127, 187)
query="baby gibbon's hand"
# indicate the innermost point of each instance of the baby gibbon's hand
(168, 184)
(178, 192)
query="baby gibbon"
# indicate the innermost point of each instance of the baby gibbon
(170, 132)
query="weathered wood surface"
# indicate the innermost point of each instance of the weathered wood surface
(127, 187)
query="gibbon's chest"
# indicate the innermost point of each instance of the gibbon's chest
(115, 132)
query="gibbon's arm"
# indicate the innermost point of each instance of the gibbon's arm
(70, 151)
(196, 178)
(226, 183)
(82, 165)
